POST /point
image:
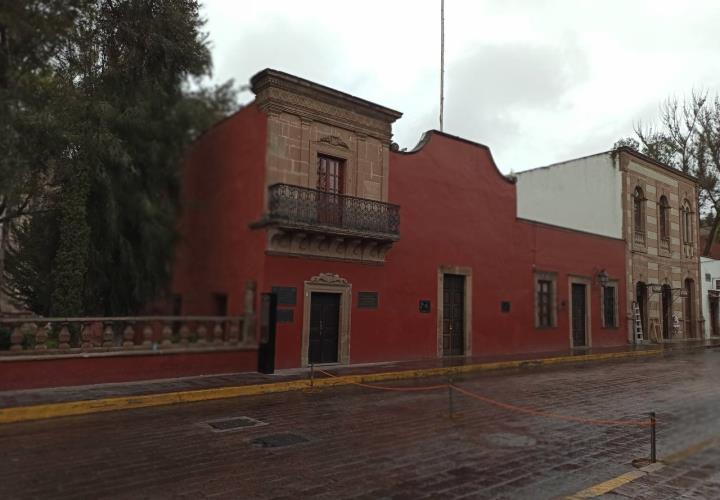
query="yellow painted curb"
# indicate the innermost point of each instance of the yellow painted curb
(607, 486)
(614, 483)
(37, 412)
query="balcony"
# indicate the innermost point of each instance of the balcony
(310, 222)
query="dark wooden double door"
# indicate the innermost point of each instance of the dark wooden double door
(579, 315)
(453, 316)
(324, 327)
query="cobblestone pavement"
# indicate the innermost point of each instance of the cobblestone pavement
(694, 477)
(367, 444)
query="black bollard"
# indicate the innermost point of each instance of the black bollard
(312, 374)
(450, 397)
(653, 457)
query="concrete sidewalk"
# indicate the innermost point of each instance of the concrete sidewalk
(34, 404)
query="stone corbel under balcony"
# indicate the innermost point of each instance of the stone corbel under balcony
(285, 241)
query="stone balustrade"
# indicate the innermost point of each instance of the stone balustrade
(37, 336)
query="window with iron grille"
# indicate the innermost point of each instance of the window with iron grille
(544, 300)
(609, 306)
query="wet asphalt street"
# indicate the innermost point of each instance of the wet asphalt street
(354, 442)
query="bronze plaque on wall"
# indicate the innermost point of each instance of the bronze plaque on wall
(286, 295)
(367, 300)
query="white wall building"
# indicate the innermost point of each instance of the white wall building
(626, 195)
(710, 295)
(583, 194)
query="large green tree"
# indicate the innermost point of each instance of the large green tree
(128, 100)
(686, 136)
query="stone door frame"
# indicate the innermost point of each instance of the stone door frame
(328, 283)
(467, 320)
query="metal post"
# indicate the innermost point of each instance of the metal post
(450, 398)
(312, 374)
(653, 458)
(442, 61)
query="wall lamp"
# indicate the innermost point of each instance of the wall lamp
(603, 278)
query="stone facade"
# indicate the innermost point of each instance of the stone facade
(655, 260)
(306, 120)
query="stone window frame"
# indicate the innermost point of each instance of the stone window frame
(639, 213)
(686, 229)
(614, 285)
(339, 151)
(552, 278)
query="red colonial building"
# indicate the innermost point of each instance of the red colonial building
(377, 254)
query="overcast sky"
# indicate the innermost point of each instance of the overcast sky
(538, 81)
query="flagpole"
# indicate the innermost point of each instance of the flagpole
(442, 61)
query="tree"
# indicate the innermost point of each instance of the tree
(127, 111)
(688, 139)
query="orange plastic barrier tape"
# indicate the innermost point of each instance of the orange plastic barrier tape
(540, 413)
(507, 406)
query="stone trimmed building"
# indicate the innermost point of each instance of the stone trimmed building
(376, 254)
(652, 208)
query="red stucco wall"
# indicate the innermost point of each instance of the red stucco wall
(29, 374)
(457, 210)
(223, 192)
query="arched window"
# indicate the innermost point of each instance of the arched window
(639, 215)
(686, 222)
(664, 216)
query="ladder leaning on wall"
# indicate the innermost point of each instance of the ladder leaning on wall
(637, 319)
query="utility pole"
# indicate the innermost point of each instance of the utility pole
(442, 61)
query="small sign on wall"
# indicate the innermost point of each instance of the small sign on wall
(286, 295)
(424, 306)
(285, 315)
(367, 300)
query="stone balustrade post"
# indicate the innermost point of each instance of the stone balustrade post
(166, 335)
(128, 336)
(64, 337)
(202, 334)
(41, 337)
(218, 333)
(108, 335)
(184, 335)
(86, 335)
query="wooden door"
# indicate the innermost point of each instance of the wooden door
(324, 327)
(579, 315)
(330, 183)
(453, 334)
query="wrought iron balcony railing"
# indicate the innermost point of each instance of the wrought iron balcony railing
(313, 208)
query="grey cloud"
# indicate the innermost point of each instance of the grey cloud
(492, 87)
(283, 45)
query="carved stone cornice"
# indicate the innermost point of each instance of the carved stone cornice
(280, 92)
(328, 279)
(334, 140)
